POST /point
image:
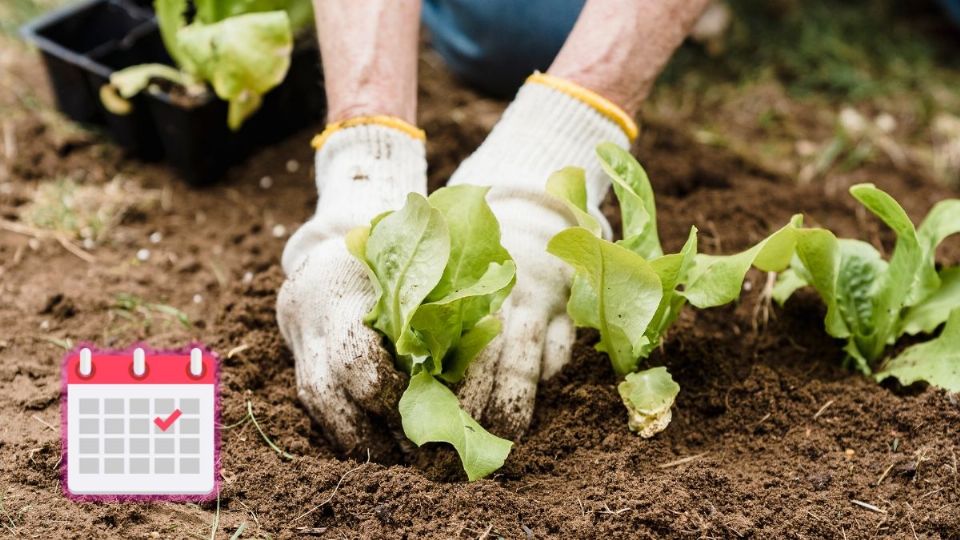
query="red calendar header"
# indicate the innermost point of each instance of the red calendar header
(140, 366)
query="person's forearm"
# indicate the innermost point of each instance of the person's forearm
(618, 47)
(369, 52)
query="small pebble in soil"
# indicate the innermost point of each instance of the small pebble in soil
(247, 278)
(279, 231)
(849, 453)
(266, 182)
(143, 255)
(820, 481)
(293, 166)
(748, 285)
(88, 244)
(156, 237)
(885, 122)
(197, 299)
(33, 244)
(45, 325)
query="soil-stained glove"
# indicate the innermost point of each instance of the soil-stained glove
(345, 379)
(551, 124)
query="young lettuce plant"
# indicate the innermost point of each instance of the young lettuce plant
(631, 292)
(440, 274)
(241, 47)
(871, 302)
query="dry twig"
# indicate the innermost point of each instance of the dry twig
(681, 461)
(335, 489)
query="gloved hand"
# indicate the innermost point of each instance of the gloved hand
(551, 124)
(345, 378)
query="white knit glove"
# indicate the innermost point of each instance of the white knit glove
(550, 125)
(345, 379)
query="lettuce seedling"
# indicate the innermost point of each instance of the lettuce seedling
(632, 292)
(440, 274)
(241, 47)
(871, 302)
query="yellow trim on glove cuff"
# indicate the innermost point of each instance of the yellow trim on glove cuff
(392, 122)
(599, 103)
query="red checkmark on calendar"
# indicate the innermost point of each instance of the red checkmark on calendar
(164, 424)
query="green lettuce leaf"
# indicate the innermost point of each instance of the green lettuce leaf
(633, 190)
(901, 273)
(788, 282)
(930, 313)
(437, 326)
(243, 57)
(618, 293)
(474, 237)
(171, 17)
(211, 11)
(407, 251)
(570, 186)
(648, 396)
(717, 279)
(673, 271)
(439, 273)
(471, 343)
(936, 361)
(942, 221)
(871, 301)
(430, 412)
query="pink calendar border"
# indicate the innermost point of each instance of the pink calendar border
(217, 481)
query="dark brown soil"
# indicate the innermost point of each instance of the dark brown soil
(770, 438)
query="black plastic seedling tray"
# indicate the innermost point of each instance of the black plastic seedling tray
(82, 44)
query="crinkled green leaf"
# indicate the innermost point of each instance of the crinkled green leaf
(892, 292)
(440, 272)
(474, 237)
(618, 293)
(430, 412)
(935, 309)
(469, 347)
(569, 185)
(936, 362)
(243, 57)
(635, 194)
(438, 325)
(942, 221)
(648, 396)
(211, 11)
(407, 251)
(717, 279)
(860, 278)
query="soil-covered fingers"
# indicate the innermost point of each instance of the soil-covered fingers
(514, 390)
(344, 422)
(474, 391)
(357, 356)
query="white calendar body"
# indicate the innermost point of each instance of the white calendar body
(152, 435)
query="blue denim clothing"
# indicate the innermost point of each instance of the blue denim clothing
(953, 9)
(495, 44)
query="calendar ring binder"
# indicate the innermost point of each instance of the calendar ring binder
(142, 376)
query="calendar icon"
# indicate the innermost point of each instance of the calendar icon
(139, 425)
